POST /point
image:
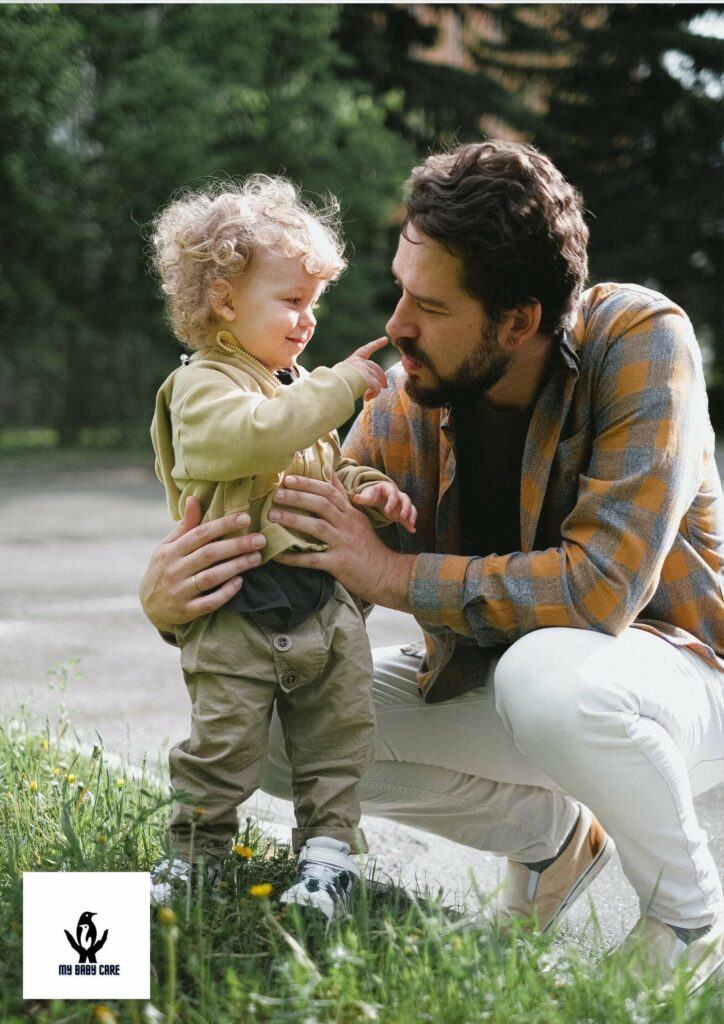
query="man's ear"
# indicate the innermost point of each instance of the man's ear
(521, 324)
(222, 299)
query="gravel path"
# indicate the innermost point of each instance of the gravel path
(73, 545)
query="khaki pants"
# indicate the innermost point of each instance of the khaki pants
(320, 676)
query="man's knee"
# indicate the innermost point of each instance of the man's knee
(563, 682)
(539, 685)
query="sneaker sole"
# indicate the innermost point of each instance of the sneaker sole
(596, 867)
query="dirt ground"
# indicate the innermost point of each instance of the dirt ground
(74, 540)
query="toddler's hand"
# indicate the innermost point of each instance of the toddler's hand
(389, 499)
(374, 374)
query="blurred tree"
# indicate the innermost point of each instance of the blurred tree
(390, 46)
(40, 230)
(627, 100)
(159, 97)
(105, 111)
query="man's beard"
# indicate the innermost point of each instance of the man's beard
(483, 368)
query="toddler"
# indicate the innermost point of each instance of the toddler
(242, 268)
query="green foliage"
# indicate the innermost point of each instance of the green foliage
(107, 112)
(228, 956)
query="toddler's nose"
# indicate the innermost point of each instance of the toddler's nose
(307, 318)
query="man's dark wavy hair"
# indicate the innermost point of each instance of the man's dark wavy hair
(512, 219)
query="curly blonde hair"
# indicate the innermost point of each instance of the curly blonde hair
(213, 233)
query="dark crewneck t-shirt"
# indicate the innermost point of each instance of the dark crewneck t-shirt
(489, 445)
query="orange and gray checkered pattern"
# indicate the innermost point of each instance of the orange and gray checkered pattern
(621, 512)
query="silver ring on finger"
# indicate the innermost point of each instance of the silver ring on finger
(197, 588)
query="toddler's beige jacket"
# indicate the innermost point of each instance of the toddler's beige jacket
(226, 431)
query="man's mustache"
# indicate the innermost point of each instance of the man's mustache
(407, 347)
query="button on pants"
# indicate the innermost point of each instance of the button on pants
(319, 676)
(631, 726)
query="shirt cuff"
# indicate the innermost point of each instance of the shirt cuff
(437, 590)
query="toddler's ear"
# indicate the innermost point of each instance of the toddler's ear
(222, 299)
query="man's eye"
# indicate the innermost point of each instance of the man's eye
(424, 309)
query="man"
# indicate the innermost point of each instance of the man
(567, 564)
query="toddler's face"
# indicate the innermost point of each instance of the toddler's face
(270, 309)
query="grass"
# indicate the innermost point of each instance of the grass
(232, 957)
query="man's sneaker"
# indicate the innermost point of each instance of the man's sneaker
(169, 878)
(652, 952)
(327, 877)
(542, 897)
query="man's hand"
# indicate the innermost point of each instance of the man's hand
(196, 569)
(354, 555)
(361, 359)
(390, 500)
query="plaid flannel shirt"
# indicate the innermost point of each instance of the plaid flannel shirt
(621, 506)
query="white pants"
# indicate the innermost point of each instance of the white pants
(631, 726)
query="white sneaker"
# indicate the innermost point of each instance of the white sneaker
(652, 951)
(171, 877)
(327, 877)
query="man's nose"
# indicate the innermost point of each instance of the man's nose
(401, 324)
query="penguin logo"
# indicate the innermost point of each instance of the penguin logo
(86, 942)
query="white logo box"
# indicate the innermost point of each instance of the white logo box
(54, 902)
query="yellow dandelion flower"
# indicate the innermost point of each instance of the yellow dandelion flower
(103, 1015)
(120, 782)
(101, 839)
(261, 891)
(33, 786)
(56, 771)
(166, 916)
(70, 778)
(243, 851)
(45, 745)
(197, 812)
